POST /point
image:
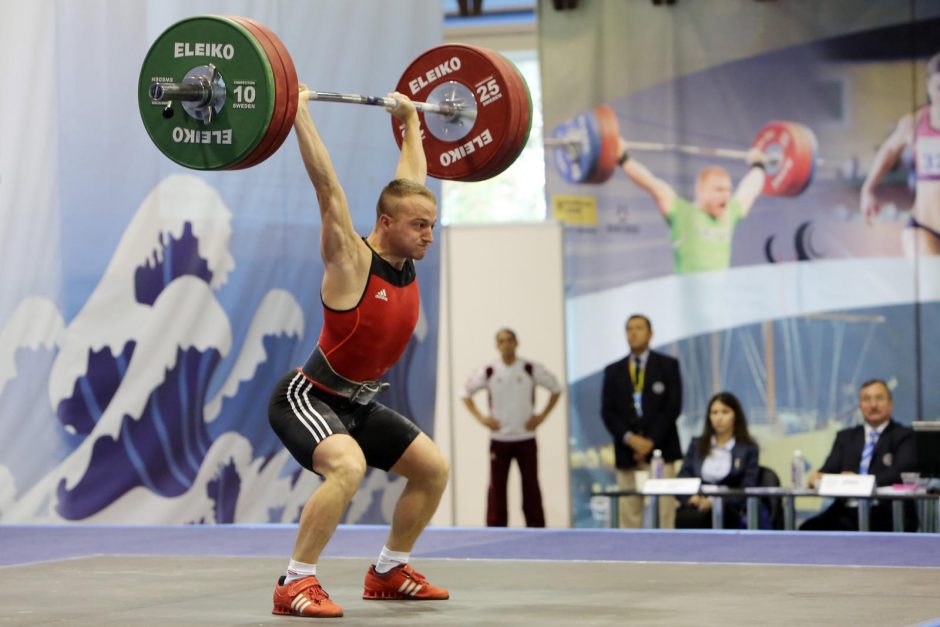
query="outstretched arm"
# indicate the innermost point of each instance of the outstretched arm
(341, 248)
(752, 185)
(412, 163)
(663, 195)
(885, 159)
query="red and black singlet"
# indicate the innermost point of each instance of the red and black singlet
(362, 343)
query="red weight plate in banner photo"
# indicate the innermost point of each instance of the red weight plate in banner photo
(776, 142)
(609, 129)
(804, 158)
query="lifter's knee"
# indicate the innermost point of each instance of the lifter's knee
(340, 461)
(439, 473)
(423, 464)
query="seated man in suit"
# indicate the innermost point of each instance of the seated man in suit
(880, 447)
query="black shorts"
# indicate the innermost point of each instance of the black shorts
(302, 416)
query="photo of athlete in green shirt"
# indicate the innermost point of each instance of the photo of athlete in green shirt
(701, 230)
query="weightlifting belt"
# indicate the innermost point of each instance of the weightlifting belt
(319, 370)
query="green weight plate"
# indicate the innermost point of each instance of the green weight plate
(244, 117)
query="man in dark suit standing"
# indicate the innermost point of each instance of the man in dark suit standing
(641, 400)
(880, 447)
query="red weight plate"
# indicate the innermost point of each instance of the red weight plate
(768, 141)
(498, 164)
(777, 141)
(609, 129)
(523, 100)
(499, 158)
(802, 155)
(804, 158)
(262, 150)
(511, 144)
(519, 118)
(467, 65)
(293, 86)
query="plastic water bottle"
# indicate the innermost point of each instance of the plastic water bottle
(656, 465)
(798, 470)
(600, 508)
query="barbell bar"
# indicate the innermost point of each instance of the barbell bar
(236, 83)
(204, 94)
(706, 151)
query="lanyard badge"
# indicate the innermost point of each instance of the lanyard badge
(636, 379)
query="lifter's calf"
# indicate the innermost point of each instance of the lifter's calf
(341, 463)
(427, 473)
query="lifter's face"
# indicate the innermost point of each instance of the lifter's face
(639, 335)
(875, 404)
(713, 193)
(410, 226)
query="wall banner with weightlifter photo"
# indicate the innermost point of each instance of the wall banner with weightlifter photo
(763, 181)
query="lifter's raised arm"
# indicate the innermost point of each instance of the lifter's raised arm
(412, 163)
(751, 185)
(662, 193)
(345, 255)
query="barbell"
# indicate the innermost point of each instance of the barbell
(586, 149)
(221, 93)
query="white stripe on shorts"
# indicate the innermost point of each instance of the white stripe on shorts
(294, 393)
(321, 422)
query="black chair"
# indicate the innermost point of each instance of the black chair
(772, 505)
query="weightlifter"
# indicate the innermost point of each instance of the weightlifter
(325, 412)
(701, 231)
(919, 131)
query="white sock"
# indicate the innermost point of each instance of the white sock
(390, 559)
(299, 570)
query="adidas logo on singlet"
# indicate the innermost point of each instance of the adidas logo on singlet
(382, 295)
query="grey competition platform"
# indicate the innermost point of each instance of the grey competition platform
(224, 575)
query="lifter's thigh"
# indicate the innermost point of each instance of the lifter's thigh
(339, 458)
(422, 461)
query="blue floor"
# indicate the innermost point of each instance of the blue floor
(31, 544)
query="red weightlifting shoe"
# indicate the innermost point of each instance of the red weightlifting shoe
(402, 582)
(304, 597)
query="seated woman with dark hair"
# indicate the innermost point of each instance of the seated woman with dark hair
(725, 454)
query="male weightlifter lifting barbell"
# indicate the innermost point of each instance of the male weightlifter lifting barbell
(920, 131)
(701, 230)
(230, 105)
(324, 412)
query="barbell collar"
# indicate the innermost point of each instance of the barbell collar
(201, 92)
